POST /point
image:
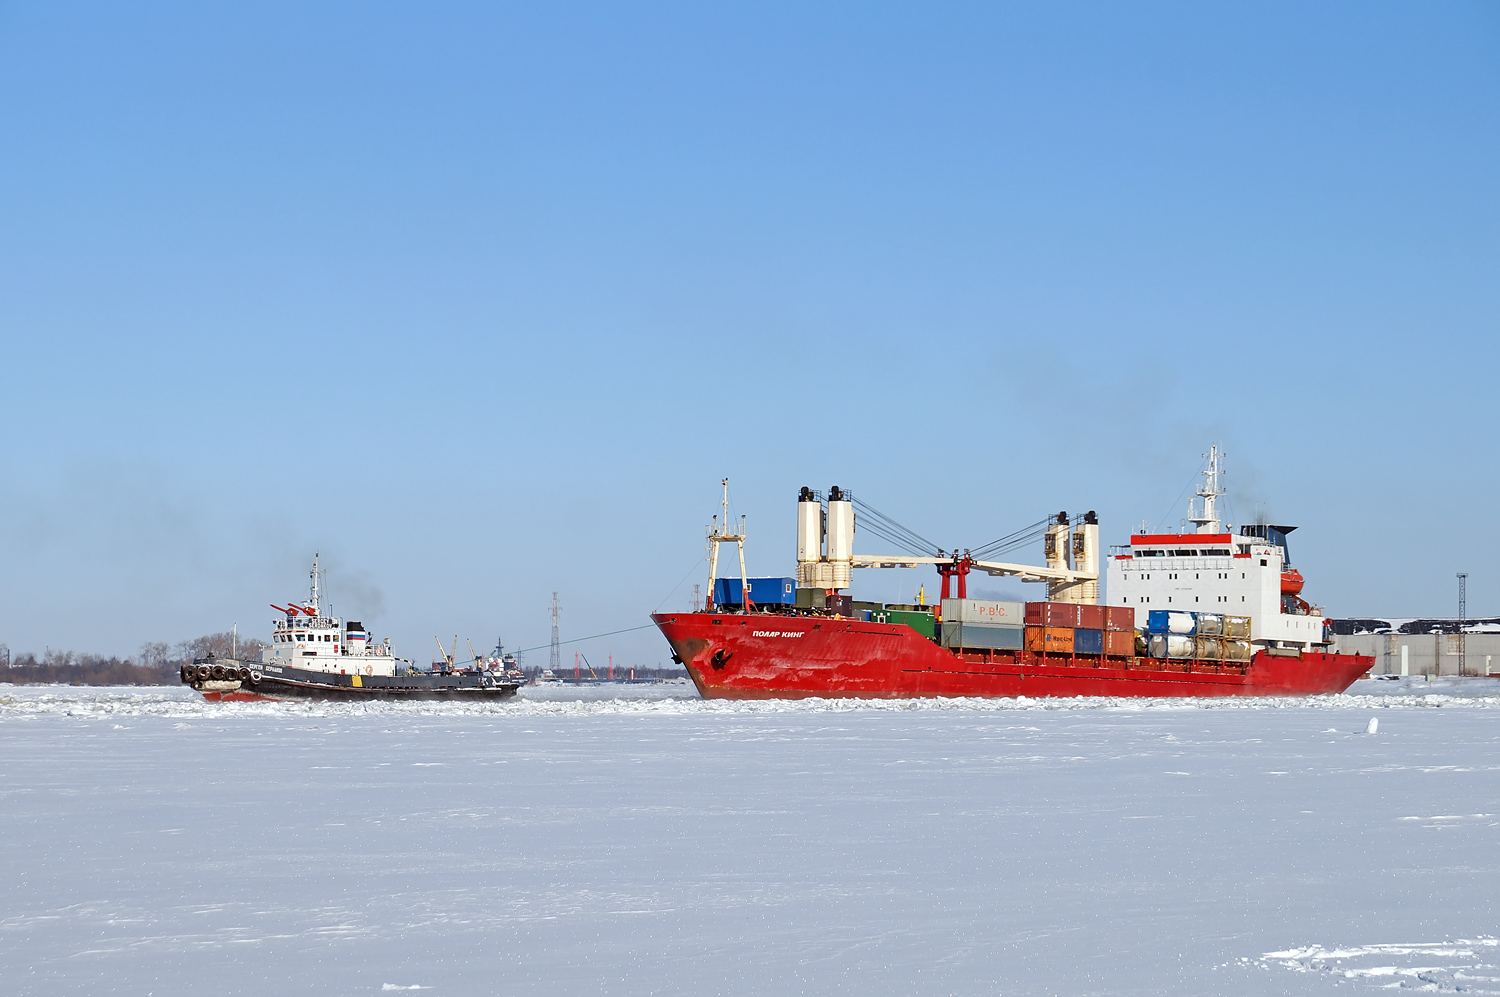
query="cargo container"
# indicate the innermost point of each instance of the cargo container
(839, 605)
(1209, 648)
(1169, 621)
(1119, 618)
(922, 623)
(1119, 642)
(1237, 650)
(1088, 640)
(1058, 639)
(1237, 627)
(1091, 617)
(1009, 614)
(1209, 625)
(808, 598)
(1171, 646)
(978, 635)
(1052, 614)
(763, 591)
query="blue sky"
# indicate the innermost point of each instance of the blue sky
(482, 301)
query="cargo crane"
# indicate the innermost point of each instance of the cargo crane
(826, 558)
(446, 656)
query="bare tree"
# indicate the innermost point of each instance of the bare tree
(153, 653)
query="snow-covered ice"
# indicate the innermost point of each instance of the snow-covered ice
(658, 844)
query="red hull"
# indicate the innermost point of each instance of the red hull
(768, 656)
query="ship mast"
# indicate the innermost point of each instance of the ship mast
(719, 533)
(313, 598)
(1207, 519)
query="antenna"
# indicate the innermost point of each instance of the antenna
(313, 599)
(554, 659)
(1207, 519)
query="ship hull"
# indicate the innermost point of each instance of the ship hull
(770, 656)
(274, 683)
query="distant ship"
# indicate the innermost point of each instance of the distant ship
(319, 657)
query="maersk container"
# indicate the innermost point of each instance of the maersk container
(1007, 614)
(981, 637)
(1170, 621)
(763, 591)
(1171, 646)
(1088, 640)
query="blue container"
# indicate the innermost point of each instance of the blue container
(763, 591)
(1087, 641)
(1162, 621)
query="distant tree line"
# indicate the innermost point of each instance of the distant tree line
(621, 672)
(155, 664)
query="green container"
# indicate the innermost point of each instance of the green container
(922, 623)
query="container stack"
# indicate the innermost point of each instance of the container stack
(1205, 636)
(1075, 628)
(983, 624)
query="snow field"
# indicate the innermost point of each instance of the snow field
(159, 844)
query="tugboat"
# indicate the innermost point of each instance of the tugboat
(313, 656)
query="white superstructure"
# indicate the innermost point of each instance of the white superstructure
(305, 638)
(1216, 570)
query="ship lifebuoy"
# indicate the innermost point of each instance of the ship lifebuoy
(369, 669)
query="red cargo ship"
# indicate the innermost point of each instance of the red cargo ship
(819, 648)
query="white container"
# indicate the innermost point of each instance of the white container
(1237, 626)
(1005, 614)
(1210, 625)
(1237, 650)
(1171, 646)
(1180, 623)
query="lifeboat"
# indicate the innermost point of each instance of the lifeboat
(1291, 582)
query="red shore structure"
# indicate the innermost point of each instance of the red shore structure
(779, 656)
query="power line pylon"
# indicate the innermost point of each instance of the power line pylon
(554, 659)
(1463, 613)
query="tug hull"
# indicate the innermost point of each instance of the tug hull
(272, 682)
